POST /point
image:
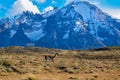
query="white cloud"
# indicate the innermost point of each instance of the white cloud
(22, 5)
(49, 8)
(115, 13)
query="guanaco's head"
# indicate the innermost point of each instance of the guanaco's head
(56, 53)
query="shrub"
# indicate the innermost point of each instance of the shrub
(6, 63)
(31, 78)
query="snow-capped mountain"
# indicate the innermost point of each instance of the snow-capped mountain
(78, 25)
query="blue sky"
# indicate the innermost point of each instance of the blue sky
(13, 7)
(111, 3)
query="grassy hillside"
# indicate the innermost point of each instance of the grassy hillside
(20, 63)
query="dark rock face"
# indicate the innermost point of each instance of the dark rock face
(19, 39)
(79, 25)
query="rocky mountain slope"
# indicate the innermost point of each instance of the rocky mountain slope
(78, 25)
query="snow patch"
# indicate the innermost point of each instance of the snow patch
(66, 35)
(78, 23)
(93, 29)
(39, 24)
(83, 10)
(49, 8)
(35, 35)
(24, 20)
(63, 11)
(37, 32)
(50, 13)
(17, 22)
(12, 33)
(72, 14)
(59, 23)
(66, 22)
(6, 25)
(118, 20)
(79, 26)
(101, 39)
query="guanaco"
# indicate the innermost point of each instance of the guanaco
(49, 57)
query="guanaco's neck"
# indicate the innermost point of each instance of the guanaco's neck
(54, 55)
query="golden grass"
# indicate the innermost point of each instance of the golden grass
(95, 64)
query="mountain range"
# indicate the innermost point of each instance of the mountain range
(78, 25)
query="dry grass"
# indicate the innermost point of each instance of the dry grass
(19, 63)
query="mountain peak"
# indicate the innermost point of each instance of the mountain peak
(83, 3)
(85, 9)
(78, 25)
(78, 2)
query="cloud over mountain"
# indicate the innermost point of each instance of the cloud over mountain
(22, 5)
